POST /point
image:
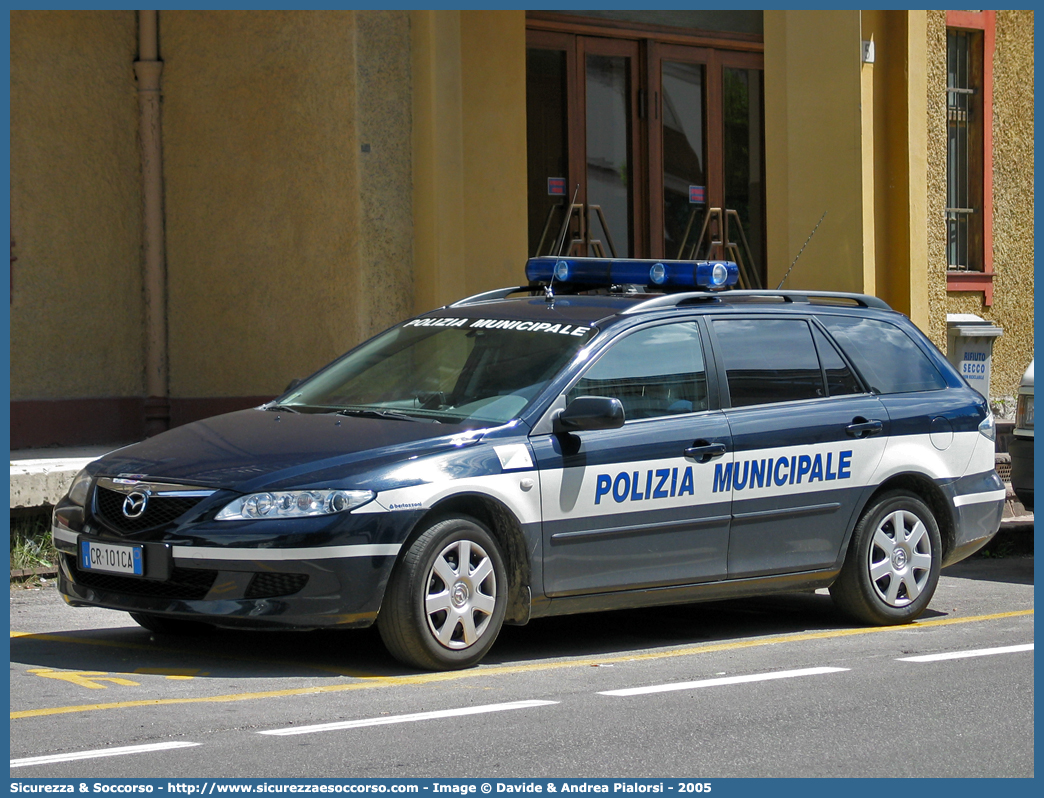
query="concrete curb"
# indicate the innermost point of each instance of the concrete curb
(25, 573)
(39, 481)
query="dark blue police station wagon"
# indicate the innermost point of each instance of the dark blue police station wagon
(586, 445)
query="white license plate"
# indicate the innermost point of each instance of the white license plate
(111, 557)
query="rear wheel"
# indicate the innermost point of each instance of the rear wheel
(446, 601)
(162, 625)
(893, 562)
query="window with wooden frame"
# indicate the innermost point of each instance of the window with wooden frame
(652, 129)
(969, 151)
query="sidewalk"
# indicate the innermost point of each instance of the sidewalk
(1014, 513)
(40, 477)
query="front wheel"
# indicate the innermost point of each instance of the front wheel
(893, 561)
(446, 601)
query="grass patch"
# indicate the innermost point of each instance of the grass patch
(31, 545)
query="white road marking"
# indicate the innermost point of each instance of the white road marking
(754, 677)
(442, 713)
(72, 757)
(978, 652)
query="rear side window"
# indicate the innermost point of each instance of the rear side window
(840, 379)
(769, 360)
(885, 355)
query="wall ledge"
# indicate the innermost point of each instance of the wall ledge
(972, 281)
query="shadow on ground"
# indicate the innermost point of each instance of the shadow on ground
(224, 654)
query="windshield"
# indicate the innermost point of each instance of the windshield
(447, 373)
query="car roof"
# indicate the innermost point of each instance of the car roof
(595, 309)
(583, 309)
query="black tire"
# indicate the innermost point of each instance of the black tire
(162, 625)
(884, 582)
(416, 629)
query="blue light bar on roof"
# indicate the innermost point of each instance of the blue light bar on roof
(632, 271)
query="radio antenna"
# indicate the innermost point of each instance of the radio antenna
(565, 224)
(549, 293)
(785, 276)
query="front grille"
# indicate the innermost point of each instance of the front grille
(266, 585)
(187, 584)
(160, 510)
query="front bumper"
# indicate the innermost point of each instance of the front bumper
(300, 576)
(337, 592)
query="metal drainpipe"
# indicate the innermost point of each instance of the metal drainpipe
(149, 69)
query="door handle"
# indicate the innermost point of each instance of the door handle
(861, 428)
(705, 451)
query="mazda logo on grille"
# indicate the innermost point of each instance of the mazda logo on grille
(135, 503)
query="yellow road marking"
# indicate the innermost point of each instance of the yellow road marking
(88, 679)
(171, 673)
(84, 640)
(367, 682)
(49, 637)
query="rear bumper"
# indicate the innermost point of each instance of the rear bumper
(977, 525)
(978, 508)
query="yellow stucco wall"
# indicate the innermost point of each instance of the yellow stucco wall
(493, 65)
(76, 311)
(1013, 197)
(916, 147)
(839, 139)
(384, 119)
(891, 223)
(813, 152)
(438, 158)
(277, 221)
(328, 173)
(935, 37)
(899, 141)
(469, 151)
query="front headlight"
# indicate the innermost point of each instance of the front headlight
(78, 489)
(293, 504)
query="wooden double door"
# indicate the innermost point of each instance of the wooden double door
(652, 134)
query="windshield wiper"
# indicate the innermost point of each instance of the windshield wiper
(365, 412)
(281, 408)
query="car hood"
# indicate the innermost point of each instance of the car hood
(253, 449)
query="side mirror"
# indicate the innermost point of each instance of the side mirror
(590, 413)
(293, 384)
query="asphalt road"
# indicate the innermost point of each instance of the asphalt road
(754, 688)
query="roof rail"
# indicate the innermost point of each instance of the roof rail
(489, 296)
(692, 297)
